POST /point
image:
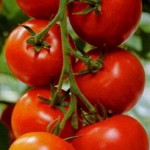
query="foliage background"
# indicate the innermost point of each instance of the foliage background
(11, 88)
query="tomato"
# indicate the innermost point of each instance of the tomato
(40, 141)
(6, 119)
(118, 85)
(39, 9)
(116, 22)
(117, 133)
(32, 67)
(31, 114)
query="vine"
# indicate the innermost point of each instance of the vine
(92, 65)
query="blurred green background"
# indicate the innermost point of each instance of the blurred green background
(11, 88)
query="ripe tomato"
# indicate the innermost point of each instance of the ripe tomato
(6, 119)
(114, 24)
(117, 133)
(118, 85)
(31, 67)
(31, 114)
(40, 141)
(39, 9)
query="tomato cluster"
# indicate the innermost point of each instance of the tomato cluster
(104, 83)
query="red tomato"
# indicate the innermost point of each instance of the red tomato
(31, 67)
(118, 85)
(117, 133)
(40, 141)
(117, 21)
(39, 9)
(31, 114)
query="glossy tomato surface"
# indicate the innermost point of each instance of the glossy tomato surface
(40, 141)
(31, 114)
(32, 67)
(118, 85)
(117, 133)
(116, 22)
(39, 9)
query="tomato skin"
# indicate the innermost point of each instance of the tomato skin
(117, 133)
(31, 114)
(39, 9)
(117, 21)
(31, 67)
(39, 141)
(118, 85)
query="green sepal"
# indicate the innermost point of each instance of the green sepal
(62, 109)
(36, 44)
(28, 29)
(33, 40)
(85, 11)
(81, 72)
(74, 121)
(68, 139)
(55, 129)
(45, 45)
(45, 100)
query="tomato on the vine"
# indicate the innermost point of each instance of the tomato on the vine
(32, 67)
(118, 85)
(117, 133)
(113, 25)
(39, 9)
(40, 141)
(31, 114)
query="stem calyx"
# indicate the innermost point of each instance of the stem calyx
(94, 5)
(35, 41)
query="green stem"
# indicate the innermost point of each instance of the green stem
(61, 16)
(66, 58)
(92, 65)
(91, 2)
(41, 35)
(76, 54)
(67, 70)
(98, 1)
(69, 112)
(67, 67)
(76, 90)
